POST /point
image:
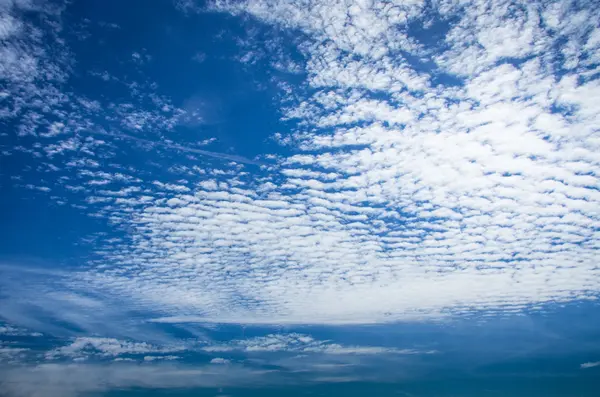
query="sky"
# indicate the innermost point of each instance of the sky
(324, 197)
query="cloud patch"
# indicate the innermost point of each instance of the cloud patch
(303, 344)
(590, 365)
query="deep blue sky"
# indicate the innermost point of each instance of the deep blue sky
(299, 197)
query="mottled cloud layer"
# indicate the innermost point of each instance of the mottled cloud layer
(442, 159)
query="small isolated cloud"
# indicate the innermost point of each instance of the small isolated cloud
(590, 365)
(219, 360)
(154, 358)
(199, 57)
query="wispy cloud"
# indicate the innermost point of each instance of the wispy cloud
(182, 148)
(299, 343)
(69, 380)
(590, 365)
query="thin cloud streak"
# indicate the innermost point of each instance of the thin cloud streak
(173, 146)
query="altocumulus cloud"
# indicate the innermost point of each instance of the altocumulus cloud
(433, 159)
(415, 191)
(427, 177)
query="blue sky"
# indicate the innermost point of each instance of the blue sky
(299, 196)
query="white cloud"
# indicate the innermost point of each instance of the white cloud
(220, 360)
(86, 346)
(9, 330)
(299, 343)
(428, 178)
(154, 358)
(590, 365)
(462, 197)
(12, 354)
